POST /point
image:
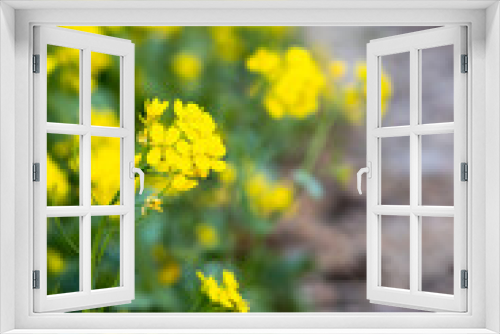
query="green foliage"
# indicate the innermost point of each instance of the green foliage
(223, 223)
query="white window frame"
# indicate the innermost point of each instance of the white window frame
(483, 21)
(86, 297)
(414, 44)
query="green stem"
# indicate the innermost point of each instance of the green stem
(318, 142)
(66, 238)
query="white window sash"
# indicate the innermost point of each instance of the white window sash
(414, 298)
(86, 297)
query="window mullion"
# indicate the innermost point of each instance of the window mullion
(85, 168)
(414, 171)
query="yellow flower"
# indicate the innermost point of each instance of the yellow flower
(55, 262)
(187, 66)
(187, 149)
(152, 203)
(354, 97)
(105, 162)
(57, 183)
(155, 108)
(164, 31)
(169, 273)
(104, 117)
(207, 235)
(385, 91)
(226, 295)
(263, 61)
(181, 183)
(89, 29)
(360, 71)
(226, 42)
(267, 198)
(294, 79)
(338, 69)
(228, 175)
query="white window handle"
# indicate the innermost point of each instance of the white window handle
(368, 171)
(133, 171)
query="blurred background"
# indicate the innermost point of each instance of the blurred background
(283, 215)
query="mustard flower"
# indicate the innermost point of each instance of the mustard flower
(294, 79)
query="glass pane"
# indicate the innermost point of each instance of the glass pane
(437, 169)
(395, 238)
(63, 255)
(63, 85)
(395, 171)
(105, 259)
(437, 84)
(437, 254)
(105, 89)
(63, 170)
(105, 170)
(395, 89)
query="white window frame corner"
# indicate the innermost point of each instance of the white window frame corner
(17, 19)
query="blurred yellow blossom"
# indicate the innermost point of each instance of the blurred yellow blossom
(266, 197)
(55, 262)
(226, 42)
(226, 294)
(105, 155)
(187, 66)
(153, 203)
(187, 149)
(207, 235)
(385, 84)
(294, 78)
(337, 69)
(354, 99)
(164, 31)
(104, 117)
(89, 29)
(228, 176)
(57, 183)
(169, 273)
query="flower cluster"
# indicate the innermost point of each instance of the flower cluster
(186, 150)
(187, 66)
(294, 78)
(267, 198)
(225, 295)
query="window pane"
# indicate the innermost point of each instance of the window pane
(63, 170)
(105, 252)
(105, 89)
(437, 169)
(437, 84)
(395, 81)
(395, 171)
(437, 254)
(106, 153)
(395, 236)
(63, 255)
(63, 84)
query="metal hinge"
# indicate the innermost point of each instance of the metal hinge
(36, 63)
(465, 64)
(465, 279)
(464, 171)
(36, 172)
(36, 279)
